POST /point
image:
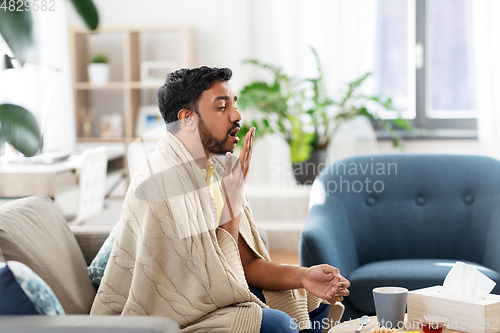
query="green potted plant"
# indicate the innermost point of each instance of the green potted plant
(307, 118)
(98, 69)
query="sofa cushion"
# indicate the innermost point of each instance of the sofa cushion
(22, 291)
(33, 232)
(409, 273)
(13, 299)
(98, 265)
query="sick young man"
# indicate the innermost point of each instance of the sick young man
(187, 246)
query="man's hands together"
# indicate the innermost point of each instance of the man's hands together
(325, 281)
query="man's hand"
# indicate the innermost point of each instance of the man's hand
(233, 182)
(325, 281)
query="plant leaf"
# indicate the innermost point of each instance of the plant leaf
(20, 128)
(16, 28)
(352, 87)
(88, 12)
(403, 123)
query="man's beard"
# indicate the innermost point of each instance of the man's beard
(211, 143)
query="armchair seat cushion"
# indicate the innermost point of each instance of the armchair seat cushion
(409, 273)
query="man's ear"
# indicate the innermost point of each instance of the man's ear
(186, 118)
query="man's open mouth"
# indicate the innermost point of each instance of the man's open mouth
(233, 134)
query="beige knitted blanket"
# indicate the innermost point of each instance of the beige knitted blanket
(169, 259)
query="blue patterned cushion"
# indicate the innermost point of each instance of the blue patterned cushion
(22, 291)
(98, 264)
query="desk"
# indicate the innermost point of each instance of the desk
(22, 180)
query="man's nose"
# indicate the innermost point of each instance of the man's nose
(235, 116)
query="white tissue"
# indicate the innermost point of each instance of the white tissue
(466, 281)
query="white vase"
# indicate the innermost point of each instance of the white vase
(98, 74)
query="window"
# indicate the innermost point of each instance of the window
(424, 61)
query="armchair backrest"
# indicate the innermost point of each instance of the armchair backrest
(408, 206)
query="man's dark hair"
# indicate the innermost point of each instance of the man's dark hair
(183, 88)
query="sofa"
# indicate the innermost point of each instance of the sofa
(34, 233)
(403, 220)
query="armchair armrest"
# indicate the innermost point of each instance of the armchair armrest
(87, 324)
(327, 239)
(491, 254)
(90, 239)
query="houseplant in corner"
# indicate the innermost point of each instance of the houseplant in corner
(307, 118)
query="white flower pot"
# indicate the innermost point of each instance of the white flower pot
(98, 74)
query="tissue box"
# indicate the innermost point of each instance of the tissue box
(466, 315)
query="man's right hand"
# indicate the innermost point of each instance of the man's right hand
(233, 182)
(325, 281)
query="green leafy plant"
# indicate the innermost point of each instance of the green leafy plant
(302, 112)
(20, 129)
(99, 58)
(17, 125)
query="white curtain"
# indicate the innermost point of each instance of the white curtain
(486, 32)
(282, 31)
(343, 33)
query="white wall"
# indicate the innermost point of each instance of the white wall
(220, 32)
(273, 31)
(51, 28)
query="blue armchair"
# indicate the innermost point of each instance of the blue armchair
(403, 220)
